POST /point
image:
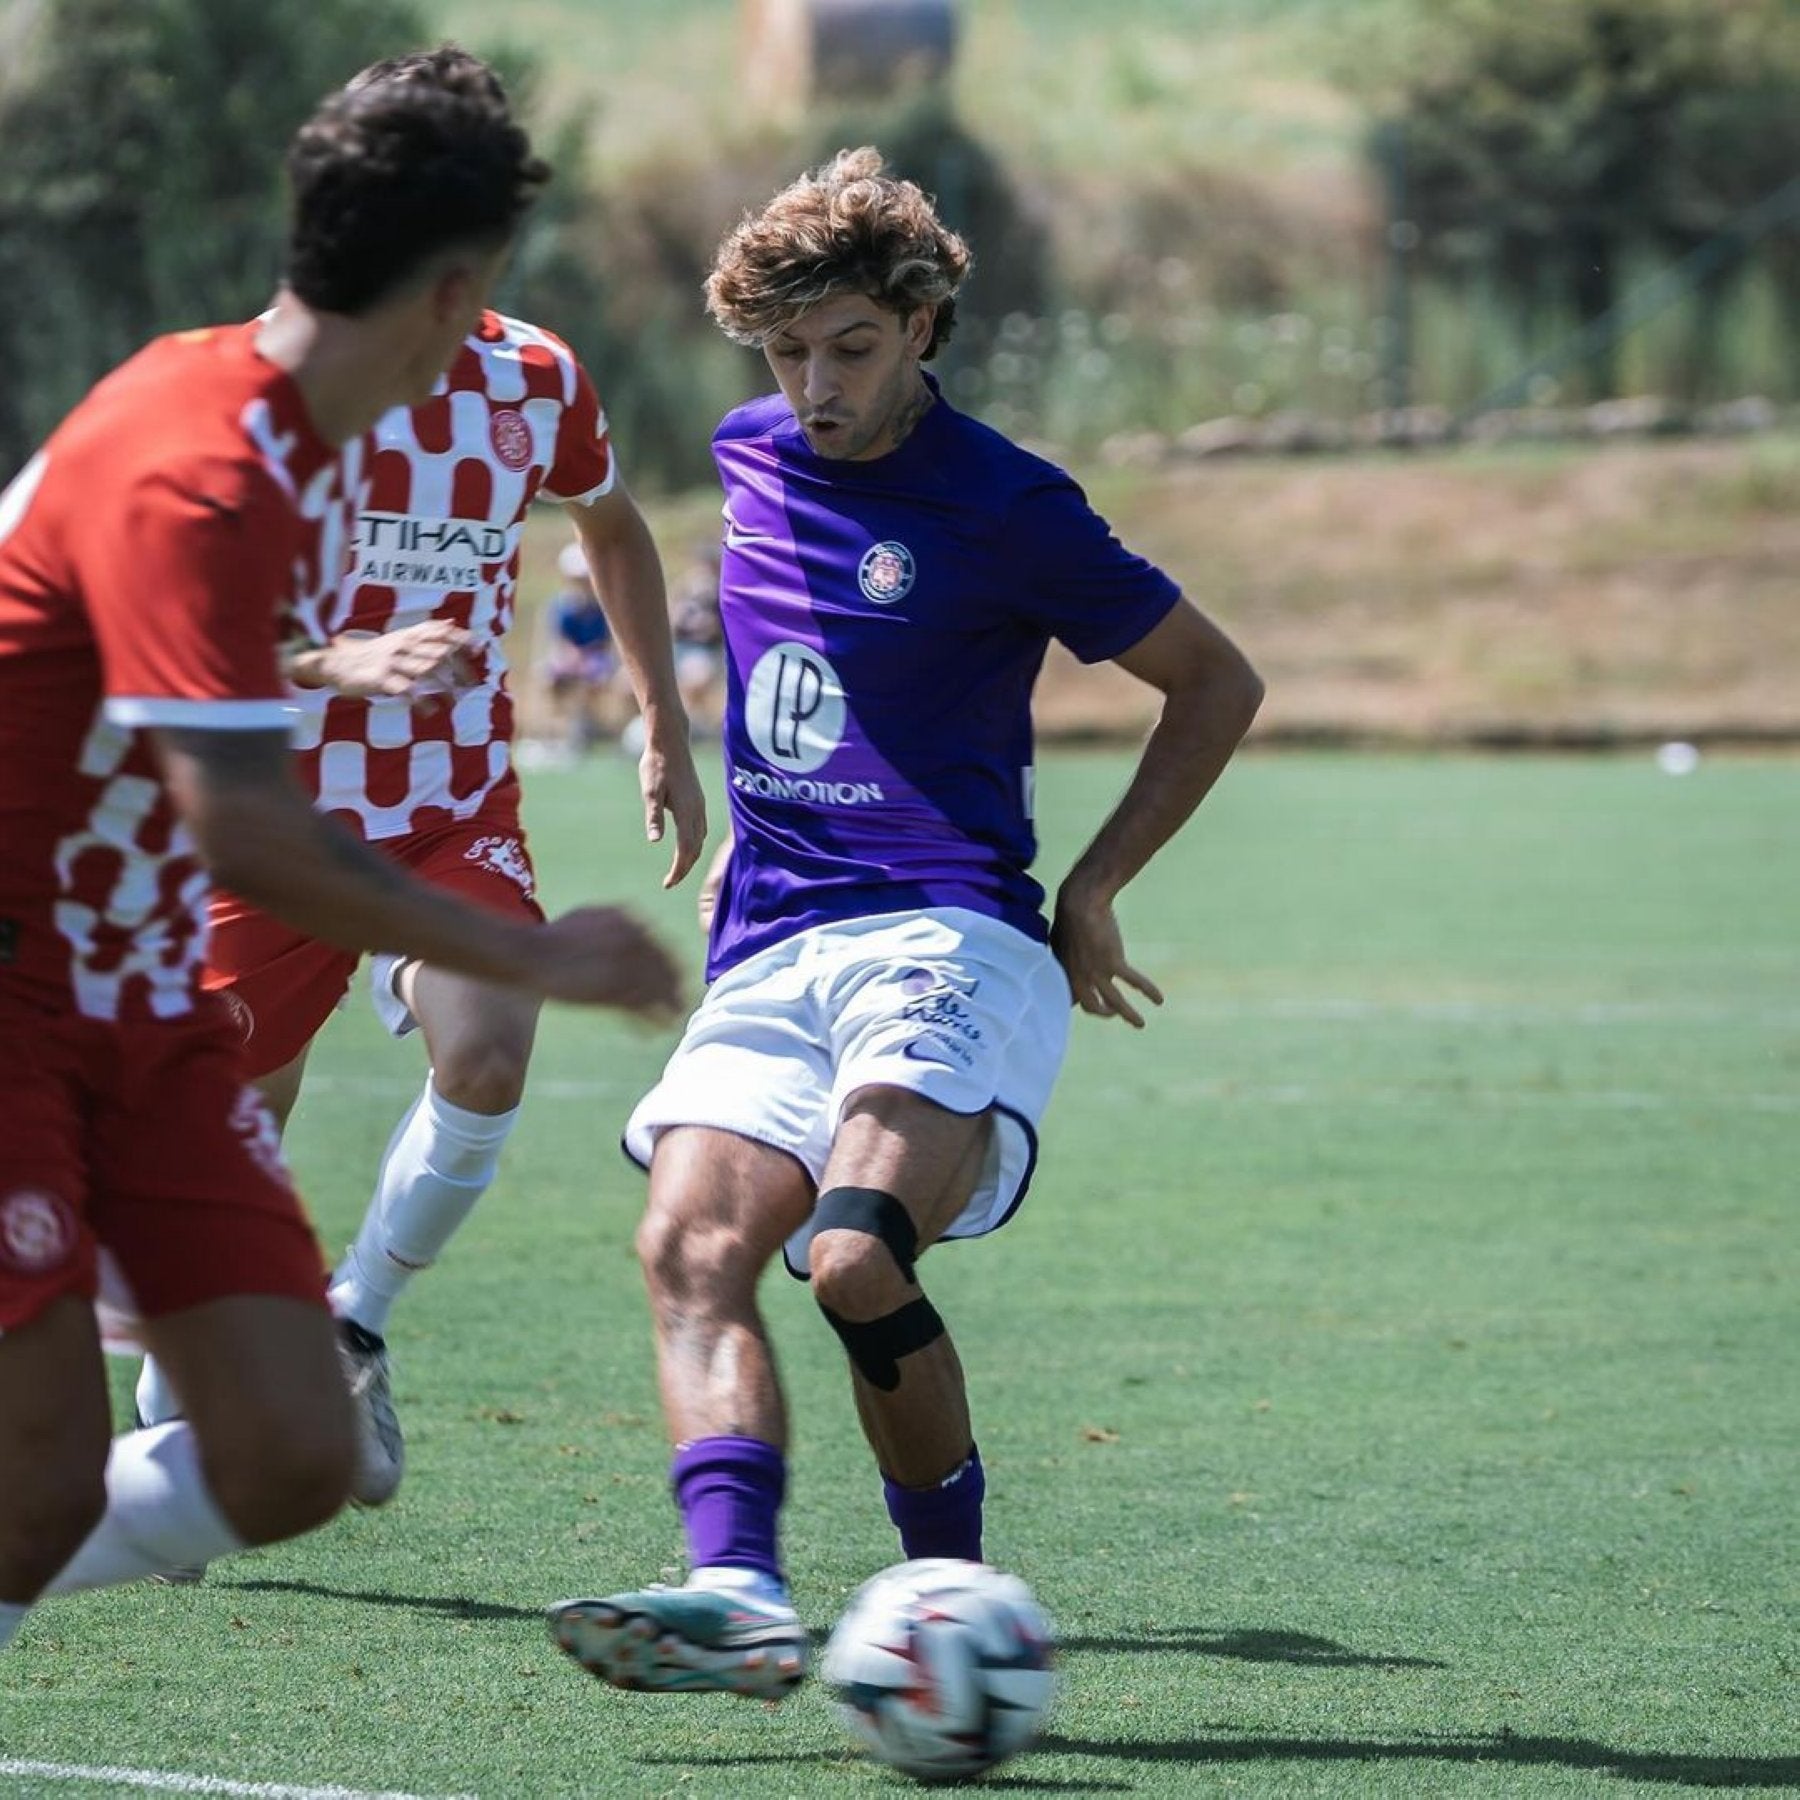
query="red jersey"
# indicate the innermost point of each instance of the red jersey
(180, 523)
(514, 419)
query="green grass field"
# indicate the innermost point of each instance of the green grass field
(1390, 1387)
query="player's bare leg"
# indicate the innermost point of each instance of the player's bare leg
(445, 1153)
(55, 1426)
(281, 1087)
(894, 1149)
(265, 1452)
(438, 1164)
(479, 1035)
(720, 1208)
(156, 1400)
(265, 1396)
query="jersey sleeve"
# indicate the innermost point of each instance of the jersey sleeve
(583, 469)
(1075, 579)
(186, 589)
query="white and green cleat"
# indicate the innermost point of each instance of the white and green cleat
(380, 1447)
(686, 1640)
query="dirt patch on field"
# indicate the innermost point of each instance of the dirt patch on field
(1534, 597)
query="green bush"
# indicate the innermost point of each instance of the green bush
(141, 186)
(1549, 152)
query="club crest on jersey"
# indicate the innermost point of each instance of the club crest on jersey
(886, 573)
(511, 438)
(37, 1231)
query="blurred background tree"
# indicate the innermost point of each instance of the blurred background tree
(141, 183)
(1178, 210)
(1552, 151)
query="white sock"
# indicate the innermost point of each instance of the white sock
(727, 1578)
(156, 1400)
(11, 1618)
(439, 1162)
(159, 1514)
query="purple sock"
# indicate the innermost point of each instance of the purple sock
(944, 1520)
(729, 1490)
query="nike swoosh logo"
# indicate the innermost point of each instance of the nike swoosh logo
(736, 540)
(212, 504)
(922, 1051)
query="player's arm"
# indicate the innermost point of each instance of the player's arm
(415, 662)
(628, 577)
(1210, 695)
(259, 836)
(714, 879)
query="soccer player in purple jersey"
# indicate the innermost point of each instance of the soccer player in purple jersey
(888, 1005)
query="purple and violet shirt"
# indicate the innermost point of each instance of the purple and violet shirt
(884, 624)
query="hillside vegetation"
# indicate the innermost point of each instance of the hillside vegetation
(1529, 596)
(1526, 595)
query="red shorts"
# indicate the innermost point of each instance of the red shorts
(283, 986)
(142, 1140)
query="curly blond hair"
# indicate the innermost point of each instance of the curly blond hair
(846, 228)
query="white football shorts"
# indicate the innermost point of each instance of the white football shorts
(950, 1004)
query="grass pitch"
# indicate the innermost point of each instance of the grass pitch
(1390, 1386)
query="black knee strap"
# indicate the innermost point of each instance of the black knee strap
(877, 1345)
(872, 1211)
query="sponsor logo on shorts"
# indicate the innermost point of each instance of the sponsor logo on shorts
(935, 1049)
(917, 982)
(940, 1010)
(37, 1231)
(511, 438)
(886, 573)
(255, 1126)
(502, 856)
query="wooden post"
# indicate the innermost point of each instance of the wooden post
(798, 53)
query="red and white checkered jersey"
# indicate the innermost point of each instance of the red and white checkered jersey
(515, 418)
(180, 523)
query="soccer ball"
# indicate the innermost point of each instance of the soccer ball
(942, 1668)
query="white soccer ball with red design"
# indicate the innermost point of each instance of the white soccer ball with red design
(942, 1668)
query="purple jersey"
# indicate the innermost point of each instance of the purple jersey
(884, 623)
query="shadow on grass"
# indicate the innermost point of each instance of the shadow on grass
(988, 1784)
(449, 1606)
(1501, 1748)
(1247, 1646)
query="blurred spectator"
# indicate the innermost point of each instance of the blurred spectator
(699, 642)
(699, 639)
(576, 661)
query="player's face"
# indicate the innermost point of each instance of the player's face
(850, 370)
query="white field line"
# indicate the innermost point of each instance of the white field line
(549, 1088)
(1222, 1093)
(1231, 1093)
(1328, 1011)
(1325, 1011)
(169, 1781)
